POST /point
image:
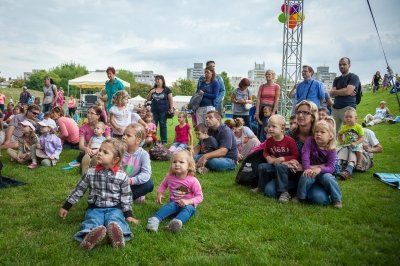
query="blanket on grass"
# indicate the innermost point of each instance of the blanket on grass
(389, 178)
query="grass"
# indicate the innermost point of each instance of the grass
(232, 225)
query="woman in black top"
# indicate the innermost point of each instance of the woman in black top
(375, 81)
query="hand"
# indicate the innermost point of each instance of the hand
(353, 144)
(201, 162)
(130, 181)
(201, 92)
(160, 196)
(38, 146)
(132, 220)
(51, 157)
(62, 213)
(89, 152)
(183, 202)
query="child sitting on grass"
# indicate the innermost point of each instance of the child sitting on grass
(110, 212)
(25, 142)
(319, 158)
(151, 129)
(184, 190)
(49, 148)
(206, 144)
(136, 162)
(183, 134)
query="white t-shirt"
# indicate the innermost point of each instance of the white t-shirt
(370, 139)
(135, 117)
(247, 134)
(122, 117)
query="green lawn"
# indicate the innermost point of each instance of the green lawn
(232, 225)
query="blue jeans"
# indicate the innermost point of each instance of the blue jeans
(266, 172)
(326, 180)
(221, 164)
(47, 107)
(160, 119)
(103, 216)
(142, 189)
(168, 209)
(272, 187)
(246, 119)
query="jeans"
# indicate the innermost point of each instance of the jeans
(246, 119)
(326, 180)
(161, 120)
(266, 172)
(177, 146)
(168, 209)
(318, 195)
(69, 145)
(47, 107)
(103, 216)
(142, 189)
(271, 188)
(221, 164)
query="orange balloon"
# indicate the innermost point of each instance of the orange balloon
(292, 22)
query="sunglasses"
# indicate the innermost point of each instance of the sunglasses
(35, 113)
(304, 113)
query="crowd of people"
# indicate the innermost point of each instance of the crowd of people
(299, 163)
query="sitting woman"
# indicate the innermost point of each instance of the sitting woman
(69, 130)
(245, 138)
(381, 113)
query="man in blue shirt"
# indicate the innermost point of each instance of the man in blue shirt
(225, 157)
(310, 89)
(112, 86)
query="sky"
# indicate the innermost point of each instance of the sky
(169, 36)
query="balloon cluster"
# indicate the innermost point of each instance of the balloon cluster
(291, 13)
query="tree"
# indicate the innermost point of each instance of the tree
(140, 89)
(35, 81)
(228, 87)
(128, 77)
(184, 87)
(18, 83)
(67, 71)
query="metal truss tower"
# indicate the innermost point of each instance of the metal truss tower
(291, 61)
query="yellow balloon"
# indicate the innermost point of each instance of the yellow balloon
(300, 17)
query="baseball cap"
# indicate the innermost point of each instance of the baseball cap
(48, 123)
(382, 102)
(28, 124)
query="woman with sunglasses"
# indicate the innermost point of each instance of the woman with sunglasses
(9, 139)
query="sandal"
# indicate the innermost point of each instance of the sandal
(344, 175)
(32, 166)
(359, 167)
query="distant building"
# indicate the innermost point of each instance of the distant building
(145, 77)
(257, 77)
(27, 75)
(325, 76)
(196, 72)
(235, 81)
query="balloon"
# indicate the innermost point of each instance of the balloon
(282, 18)
(295, 8)
(300, 17)
(292, 22)
(285, 8)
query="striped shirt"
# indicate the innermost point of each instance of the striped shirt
(106, 190)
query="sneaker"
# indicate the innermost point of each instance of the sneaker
(284, 197)
(32, 166)
(364, 124)
(337, 205)
(295, 200)
(175, 225)
(116, 235)
(74, 163)
(152, 224)
(202, 170)
(93, 238)
(140, 200)
(255, 190)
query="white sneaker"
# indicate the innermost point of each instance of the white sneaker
(152, 224)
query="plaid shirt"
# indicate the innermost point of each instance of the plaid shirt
(106, 190)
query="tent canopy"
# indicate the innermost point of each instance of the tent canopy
(93, 80)
(181, 101)
(136, 100)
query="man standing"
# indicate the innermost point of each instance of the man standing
(219, 101)
(49, 95)
(112, 86)
(310, 89)
(225, 157)
(24, 96)
(344, 91)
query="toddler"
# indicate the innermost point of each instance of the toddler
(352, 134)
(136, 162)
(183, 134)
(110, 212)
(49, 147)
(278, 150)
(323, 113)
(151, 129)
(25, 142)
(184, 190)
(120, 116)
(267, 111)
(318, 159)
(98, 137)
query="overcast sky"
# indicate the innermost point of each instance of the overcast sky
(169, 36)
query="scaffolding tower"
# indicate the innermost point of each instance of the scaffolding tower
(291, 61)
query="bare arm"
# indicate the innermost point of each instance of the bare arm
(277, 96)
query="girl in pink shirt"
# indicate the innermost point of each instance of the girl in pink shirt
(183, 134)
(184, 190)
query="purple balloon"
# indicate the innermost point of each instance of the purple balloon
(295, 8)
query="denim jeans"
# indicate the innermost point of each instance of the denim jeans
(221, 164)
(326, 180)
(103, 216)
(177, 146)
(246, 119)
(266, 172)
(142, 189)
(160, 119)
(168, 209)
(47, 107)
(271, 188)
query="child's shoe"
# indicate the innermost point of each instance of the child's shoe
(74, 163)
(175, 225)
(202, 170)
(152, 224)
(296, 200)
(255, 190)
(337, 205)
(32, 166)
(140, 200)
(93, 238)
(116, 235)
(284, 197)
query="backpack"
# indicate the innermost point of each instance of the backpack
(195, 101)
(159, 152)
(248, 171)
(359, 94)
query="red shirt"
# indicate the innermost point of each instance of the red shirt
(285, 148)
(182, 134)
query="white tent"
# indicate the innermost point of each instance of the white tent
(93, 80)
(181, 101)
(133, 102)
